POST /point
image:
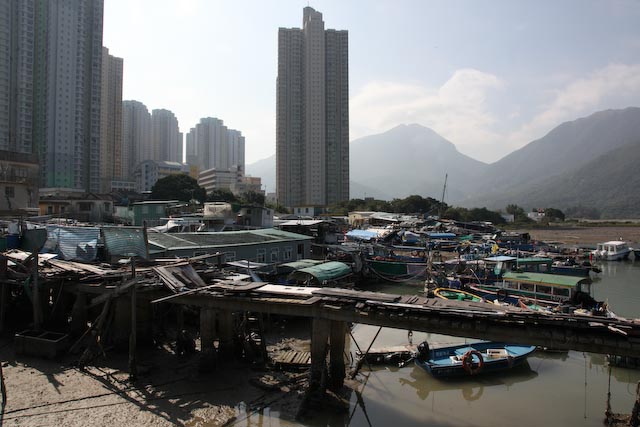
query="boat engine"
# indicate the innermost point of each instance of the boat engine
(423, 351)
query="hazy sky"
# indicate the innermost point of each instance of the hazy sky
(489, 76)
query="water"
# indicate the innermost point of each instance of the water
(554, 389)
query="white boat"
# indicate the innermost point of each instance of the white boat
(612, 251)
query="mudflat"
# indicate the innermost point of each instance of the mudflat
(579, 235)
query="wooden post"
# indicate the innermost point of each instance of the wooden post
(4, 295)
(133, 337)
(207, 335)
(337, 339)
(225, 329)
(35, 296)
(79, 315)
(319, 340)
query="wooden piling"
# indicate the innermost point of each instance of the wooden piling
(207, 335)
(337, 371)
(4, 288)
(319, 339)
(133, 338)
(79, 315)
(225, 330)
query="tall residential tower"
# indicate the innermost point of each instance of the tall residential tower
(312, 117)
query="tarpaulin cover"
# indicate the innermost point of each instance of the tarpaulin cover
(362, 235)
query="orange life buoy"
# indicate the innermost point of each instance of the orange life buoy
(467, 362)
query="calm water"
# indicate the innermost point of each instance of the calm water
(555, 389)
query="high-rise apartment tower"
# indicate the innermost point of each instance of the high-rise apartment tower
(312, 114)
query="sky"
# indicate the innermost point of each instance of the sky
(490, 76)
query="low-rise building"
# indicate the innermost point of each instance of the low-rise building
(148, 172)
(263, 246)
(18, 182)
(76, 204)
(152, 211)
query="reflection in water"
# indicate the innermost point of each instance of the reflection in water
(471, 388)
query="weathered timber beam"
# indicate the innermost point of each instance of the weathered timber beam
(560, 332)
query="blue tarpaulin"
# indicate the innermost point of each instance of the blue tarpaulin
(362, 235)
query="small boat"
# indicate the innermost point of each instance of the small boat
(457, 295)
(471, 359)
(636, 254)
(614, 250)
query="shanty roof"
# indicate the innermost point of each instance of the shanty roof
(303, 222)
(222, 239)
(331, 270)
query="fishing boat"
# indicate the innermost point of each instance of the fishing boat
(457, 295)
(615, 250)
(540, 287)
(471, 359)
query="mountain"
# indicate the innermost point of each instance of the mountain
(409, 159)
(265, 169)
(610, 183)
(536, 175)
(590, 161)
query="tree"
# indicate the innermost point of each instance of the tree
(553, 214)
(253, 198)
(178, 187)
(222, 195)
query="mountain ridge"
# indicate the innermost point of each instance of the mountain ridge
(413, 159)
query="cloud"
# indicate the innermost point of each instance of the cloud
(472, 110)
(614, 86)
(458, 110)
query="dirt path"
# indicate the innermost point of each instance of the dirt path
(170, 391)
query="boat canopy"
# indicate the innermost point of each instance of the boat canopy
(300, 264)
(557, 280)
(534, 260)
(332, 270)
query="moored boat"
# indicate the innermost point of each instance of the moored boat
(614, 250)
(457, 295)
(471, 359)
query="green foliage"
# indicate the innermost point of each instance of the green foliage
(222, 195)
(178, 187)
(553, 214)
(418, 204)
(252, 198)
(474, 214)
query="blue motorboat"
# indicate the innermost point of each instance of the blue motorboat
(471, 359)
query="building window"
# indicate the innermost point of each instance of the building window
(49, 210)
(84, 207)
(286, 254)
(262, 255)
(274, 255)
(10, 192)
(229, 256)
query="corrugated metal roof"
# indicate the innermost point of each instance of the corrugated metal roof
(222, 239)
(303, 222)
(73, 243)
(125, 241)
